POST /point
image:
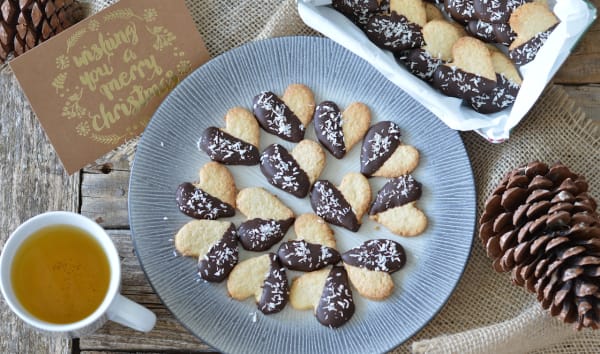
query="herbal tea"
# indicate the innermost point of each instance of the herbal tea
(60, 274)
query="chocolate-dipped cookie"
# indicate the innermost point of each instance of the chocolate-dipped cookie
(395, 207)
(194, 202)
(287, 116)
(394, 32)
(212, 197)
(306, 257)
(214, 243)
(262, 277)
(283, 172)
(369, 267)
(339, 131)
(225, 148)
(237, 143)
(471, 73)
(383, 153)
(260, 234)
(296, 171)
(381, 255)
(344, 205)
(526, 52)
(532, 23)
(327, 292)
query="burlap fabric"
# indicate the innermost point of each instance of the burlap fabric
(486, 314)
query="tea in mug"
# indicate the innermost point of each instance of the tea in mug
(60, 274)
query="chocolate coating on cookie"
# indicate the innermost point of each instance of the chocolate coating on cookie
(503, 33)
(496, 11)
(357, 11)
(306, 257)
(329, 203)
(227, 149)
(260, 234)
(282, 171)
(216, 265)
(420, 63)
(460, 10)
(455, 82)
(276, 117)
(501, 97)
(198, 204)
(336, 305)
(396, 192)
(482, 30)
(328, 128)
(394, 32)
(379, 144)
(276, 290)
(378, 255)
(527, 51)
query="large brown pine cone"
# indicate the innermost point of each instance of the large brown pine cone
(26, 23)
(541, 224)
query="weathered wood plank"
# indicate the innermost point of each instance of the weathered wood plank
(587, 98)
(168, 334)
(32, 181)
(104, 190)
(582, 66)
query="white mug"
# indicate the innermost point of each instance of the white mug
(114, 307)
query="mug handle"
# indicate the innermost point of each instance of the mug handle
(131, 314)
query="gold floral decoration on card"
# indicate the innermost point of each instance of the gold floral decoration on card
(99, 76)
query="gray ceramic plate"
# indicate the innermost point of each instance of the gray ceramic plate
(167, 155)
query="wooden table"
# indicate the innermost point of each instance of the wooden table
(32, 181)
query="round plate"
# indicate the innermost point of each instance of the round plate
(167, 156)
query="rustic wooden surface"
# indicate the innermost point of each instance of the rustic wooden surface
(32, 181)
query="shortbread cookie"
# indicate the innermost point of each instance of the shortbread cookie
(357, 11)
(327, 292)
(306, 257)
(384, 155)
(262, 277)
(237, 143)
(369, 267)
(344, 205)
(312, 228)
(505, 93)
(287, 116)
(215, 245)
(211, 198)
(339, 131)
(503, 34)
(268, 219)
(395, 207)
(293, 172)
(532, 23)
(394, 32)
(432, 12)
(471, 72)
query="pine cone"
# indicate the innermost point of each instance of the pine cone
(26, 23)
(541, 224)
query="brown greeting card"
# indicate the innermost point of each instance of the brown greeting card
(98, 83)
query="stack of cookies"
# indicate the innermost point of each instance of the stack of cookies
(329, 275)
(468, 49)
